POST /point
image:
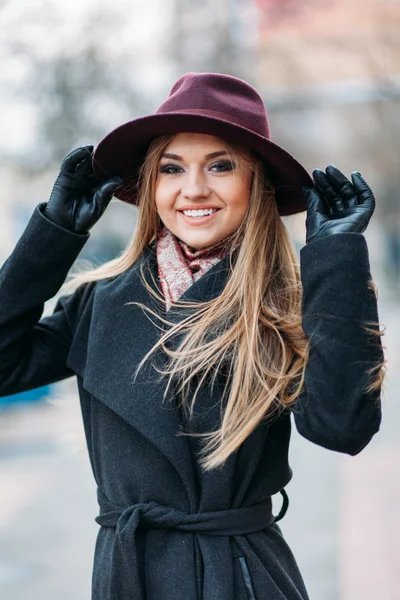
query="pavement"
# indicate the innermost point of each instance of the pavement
(47, 505)
(343, 522)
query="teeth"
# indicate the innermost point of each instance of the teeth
(199, 213)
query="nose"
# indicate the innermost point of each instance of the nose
(195, 187)
(193, 191)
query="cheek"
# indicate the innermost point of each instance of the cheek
(165, 191)
(161, 197)
(240, 197)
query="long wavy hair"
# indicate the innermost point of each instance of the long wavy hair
(252, 332)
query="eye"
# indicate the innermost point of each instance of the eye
(224, 165)
(166, 168)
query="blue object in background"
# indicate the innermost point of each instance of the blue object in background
(29, 396)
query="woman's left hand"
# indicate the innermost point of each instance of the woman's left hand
(335, 205)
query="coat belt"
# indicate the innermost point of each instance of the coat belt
(126, 579)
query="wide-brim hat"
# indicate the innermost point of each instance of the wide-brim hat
(210, 103)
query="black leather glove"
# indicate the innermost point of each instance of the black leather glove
(78, 199)
(335, 205)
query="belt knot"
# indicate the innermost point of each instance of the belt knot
(126, 563)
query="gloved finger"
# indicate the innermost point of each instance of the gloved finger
(315, 202)
(72, 159)
(342, 186)
(106, 190)
(363, 190)
(322, 182)
(84, 167)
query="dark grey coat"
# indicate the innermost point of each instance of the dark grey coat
(167, 530)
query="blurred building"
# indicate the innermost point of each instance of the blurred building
(321, 41)
(328, 71)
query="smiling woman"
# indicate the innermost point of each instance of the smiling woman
(194, 347)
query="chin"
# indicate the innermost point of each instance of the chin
(198, 243)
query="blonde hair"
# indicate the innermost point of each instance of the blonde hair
(258, 341)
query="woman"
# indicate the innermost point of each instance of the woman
(193, 347)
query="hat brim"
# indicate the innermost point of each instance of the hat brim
(123, 150)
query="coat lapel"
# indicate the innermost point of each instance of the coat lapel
(119, 337)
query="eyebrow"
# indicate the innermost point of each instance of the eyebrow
(208, 156)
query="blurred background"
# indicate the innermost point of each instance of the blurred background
(328, 71)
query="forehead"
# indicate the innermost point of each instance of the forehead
(190, 142)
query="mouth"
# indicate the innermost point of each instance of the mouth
(198, 220)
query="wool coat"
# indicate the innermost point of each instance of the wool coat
(167, 530)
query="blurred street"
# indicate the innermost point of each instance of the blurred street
(328, 73)
(343, 522)
(48, 495)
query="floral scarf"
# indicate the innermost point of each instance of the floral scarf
(179, 266)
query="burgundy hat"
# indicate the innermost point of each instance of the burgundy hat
(213, 104)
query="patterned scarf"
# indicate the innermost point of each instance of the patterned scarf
(179, 266)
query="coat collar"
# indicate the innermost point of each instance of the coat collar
(119, 337)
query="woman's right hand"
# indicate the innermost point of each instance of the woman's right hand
(78, 200)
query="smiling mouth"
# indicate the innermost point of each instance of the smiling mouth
(200, 220)
(215, 210)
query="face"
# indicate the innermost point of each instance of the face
(195, 172)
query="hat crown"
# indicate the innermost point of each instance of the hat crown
(223, 96)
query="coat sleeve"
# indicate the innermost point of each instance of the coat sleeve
(33, 352)
(334, 409)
